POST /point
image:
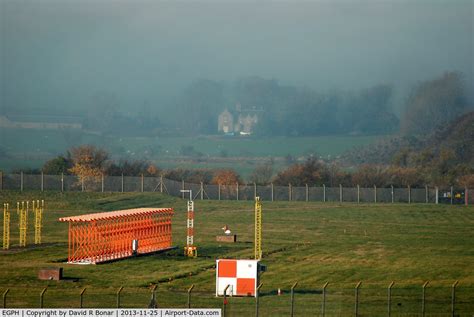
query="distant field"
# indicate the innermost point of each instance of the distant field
(311, 243)
(30, 148)
(253, 146)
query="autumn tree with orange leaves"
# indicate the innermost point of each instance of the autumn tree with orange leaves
(89, 164)
(225, 177)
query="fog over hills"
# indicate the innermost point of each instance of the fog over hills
(57, 55)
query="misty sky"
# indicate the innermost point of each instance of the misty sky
(60, 53)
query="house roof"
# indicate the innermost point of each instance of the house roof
(246, 112)
(116, 214)
(225, 112)
(45, 119)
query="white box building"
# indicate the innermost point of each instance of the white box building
(240, 275)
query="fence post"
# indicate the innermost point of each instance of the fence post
(389, 301)
(323, 307)
(225, 300)
(122, 183)
(272, 192)
(219, 191)
(293, 298)
(358, 193)
(118, 296)
(289, 192)
(81, 295)
(102, 182)
(409, 194)
(143, 183)
(257, 295)
(426, 194)
(21, 181)
(466, 196)
(161, 184)
(391, 186)
(375, 193)
(5, 298)
(453, 298)
(307, 192)
(423, 298)
(237, 190)
(356, 308)
(153, 298)
(254, 190)
(1, 180)
(202, 191)
(324, 193)
(340, 193)
(82, 183)
(436, 195)
(189, 295)
(62, 182)
(42, 181)
(41, 296)
(452, 194)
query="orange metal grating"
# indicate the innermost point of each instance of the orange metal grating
(106, 236)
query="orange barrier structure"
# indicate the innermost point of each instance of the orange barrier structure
(106, 236)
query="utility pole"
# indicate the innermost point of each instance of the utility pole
(190, 249)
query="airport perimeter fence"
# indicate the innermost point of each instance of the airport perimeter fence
(449, 195)
(428, 299)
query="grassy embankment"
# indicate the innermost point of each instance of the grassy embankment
(312, 243)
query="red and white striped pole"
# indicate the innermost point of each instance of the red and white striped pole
(190, 250)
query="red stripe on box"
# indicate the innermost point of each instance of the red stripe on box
(227, 268)
(246, 286)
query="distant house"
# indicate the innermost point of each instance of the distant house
(238, 121)
(246, 123)
(40, 122)
(225, 122)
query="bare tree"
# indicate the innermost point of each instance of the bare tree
(262, 174)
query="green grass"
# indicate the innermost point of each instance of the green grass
(55, 141)
(31, 148)
(252, 146)
(311, 243)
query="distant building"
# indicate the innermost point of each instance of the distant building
(246, 123)
(225, 122)
(40, 122)
(238, 121)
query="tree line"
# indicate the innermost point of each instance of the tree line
(89, 163)
(301, 111)
(286, 110)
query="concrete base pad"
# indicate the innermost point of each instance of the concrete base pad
(229, 239)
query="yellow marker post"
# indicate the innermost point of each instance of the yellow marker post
(38, 210)
(258, 229)
(6, 226)
(23, 225)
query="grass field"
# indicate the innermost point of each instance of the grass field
(31, 148)
(311, 243)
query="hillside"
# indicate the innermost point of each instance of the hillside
(458, 137)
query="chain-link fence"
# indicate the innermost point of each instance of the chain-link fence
(358, 300)
(449, 195)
